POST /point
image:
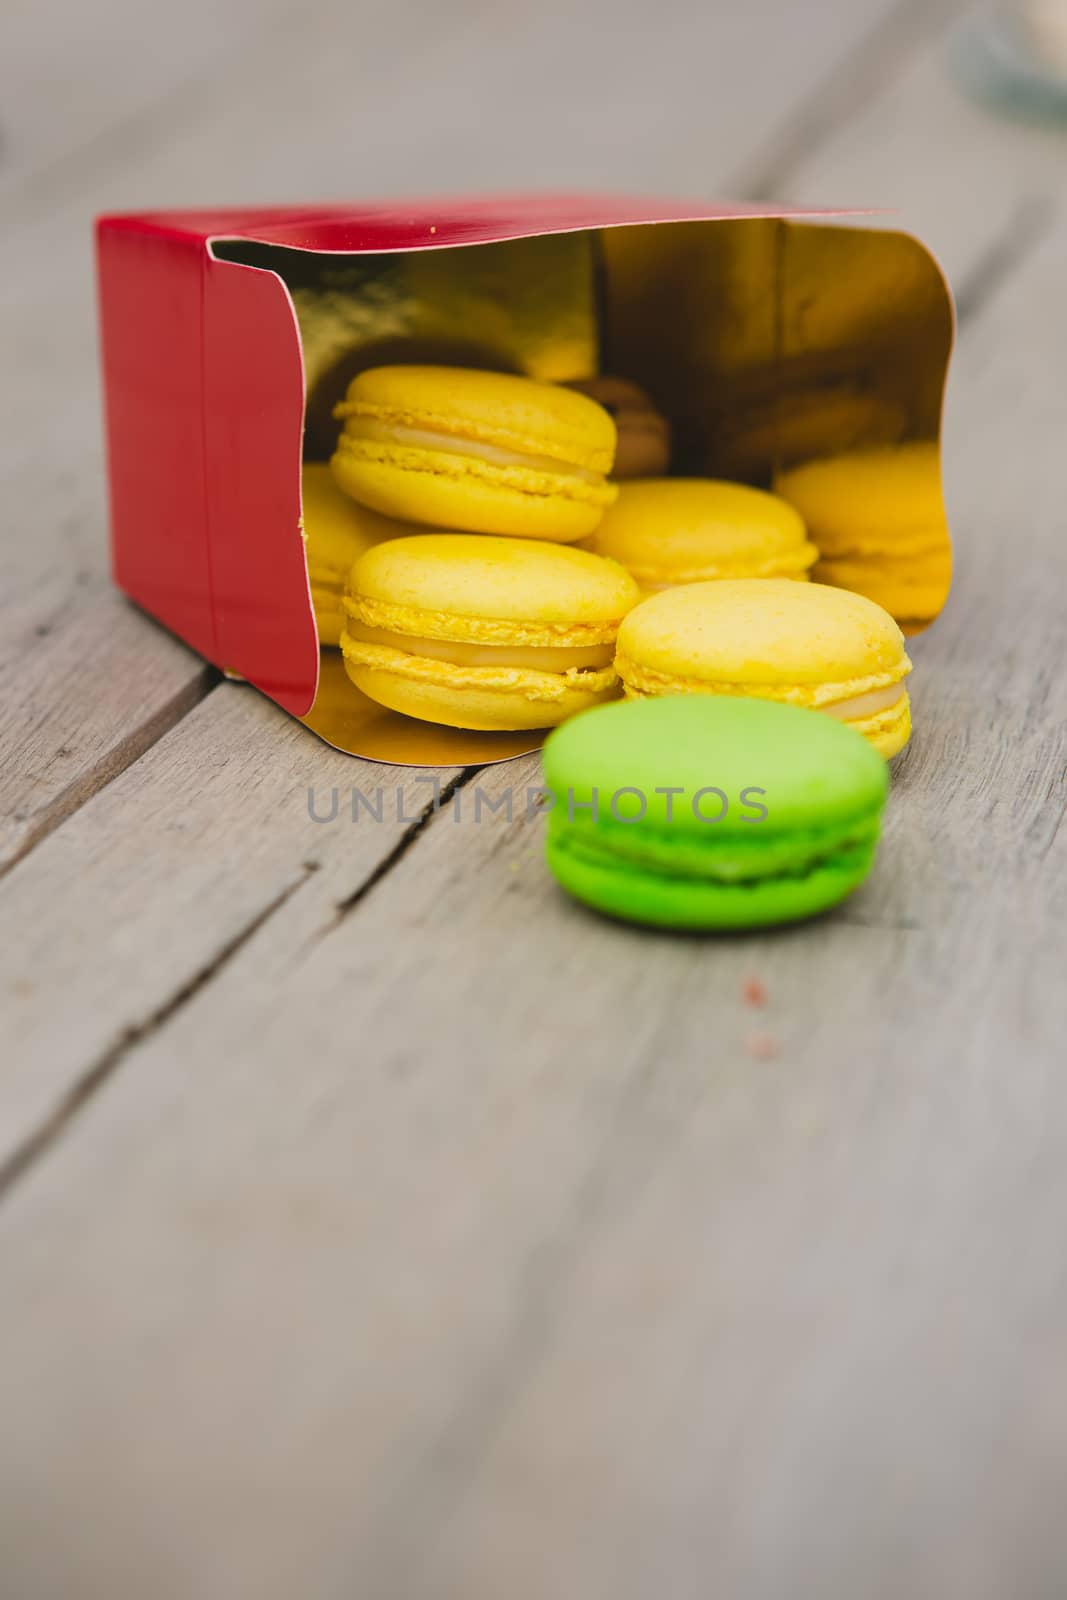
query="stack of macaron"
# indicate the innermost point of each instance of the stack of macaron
(479, 631)
(486, 617)
(493, 552)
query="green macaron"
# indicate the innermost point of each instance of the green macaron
(702, 811)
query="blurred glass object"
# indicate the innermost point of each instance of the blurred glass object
(1015, 56)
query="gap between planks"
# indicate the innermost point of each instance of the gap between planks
(892, 42)
(22, 831)
(1030, 224)
(55, 1125)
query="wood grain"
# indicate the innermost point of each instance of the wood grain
(159, 878)
(60, 747)
(977, 188)
(118, 63)
(393, 1227)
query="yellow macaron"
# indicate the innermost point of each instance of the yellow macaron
(481, 632)
(336, 531)
(485, 452)
(878, 518)
(801, 643)
(687, 530)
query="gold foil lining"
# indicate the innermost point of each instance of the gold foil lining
(526, 305)
(769, 342)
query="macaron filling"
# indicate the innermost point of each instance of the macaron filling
(669, 532)
(861, 706)
(790, 564)
(714, 859)
(423, 622)
(641, 680)
(532, 683)
(539, 658)
(401, 435)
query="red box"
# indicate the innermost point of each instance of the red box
(726, 314)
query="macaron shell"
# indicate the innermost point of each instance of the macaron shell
(685, 530)
(506, 580)
(913, 589)
(643, 450)
(644, 437)
(890, 492)
(878, 518)
(662, 901)
(801, 642)
(814, 776)
(510, 412)
(492, 592)
(442, 490)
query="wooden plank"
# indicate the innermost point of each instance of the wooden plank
(468, 1242)
(356, 64)
(976, 186)
(159, 879)
(247, 60)
(60, 747)
(117, 63)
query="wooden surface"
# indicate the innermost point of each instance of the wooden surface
(374, 1222)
